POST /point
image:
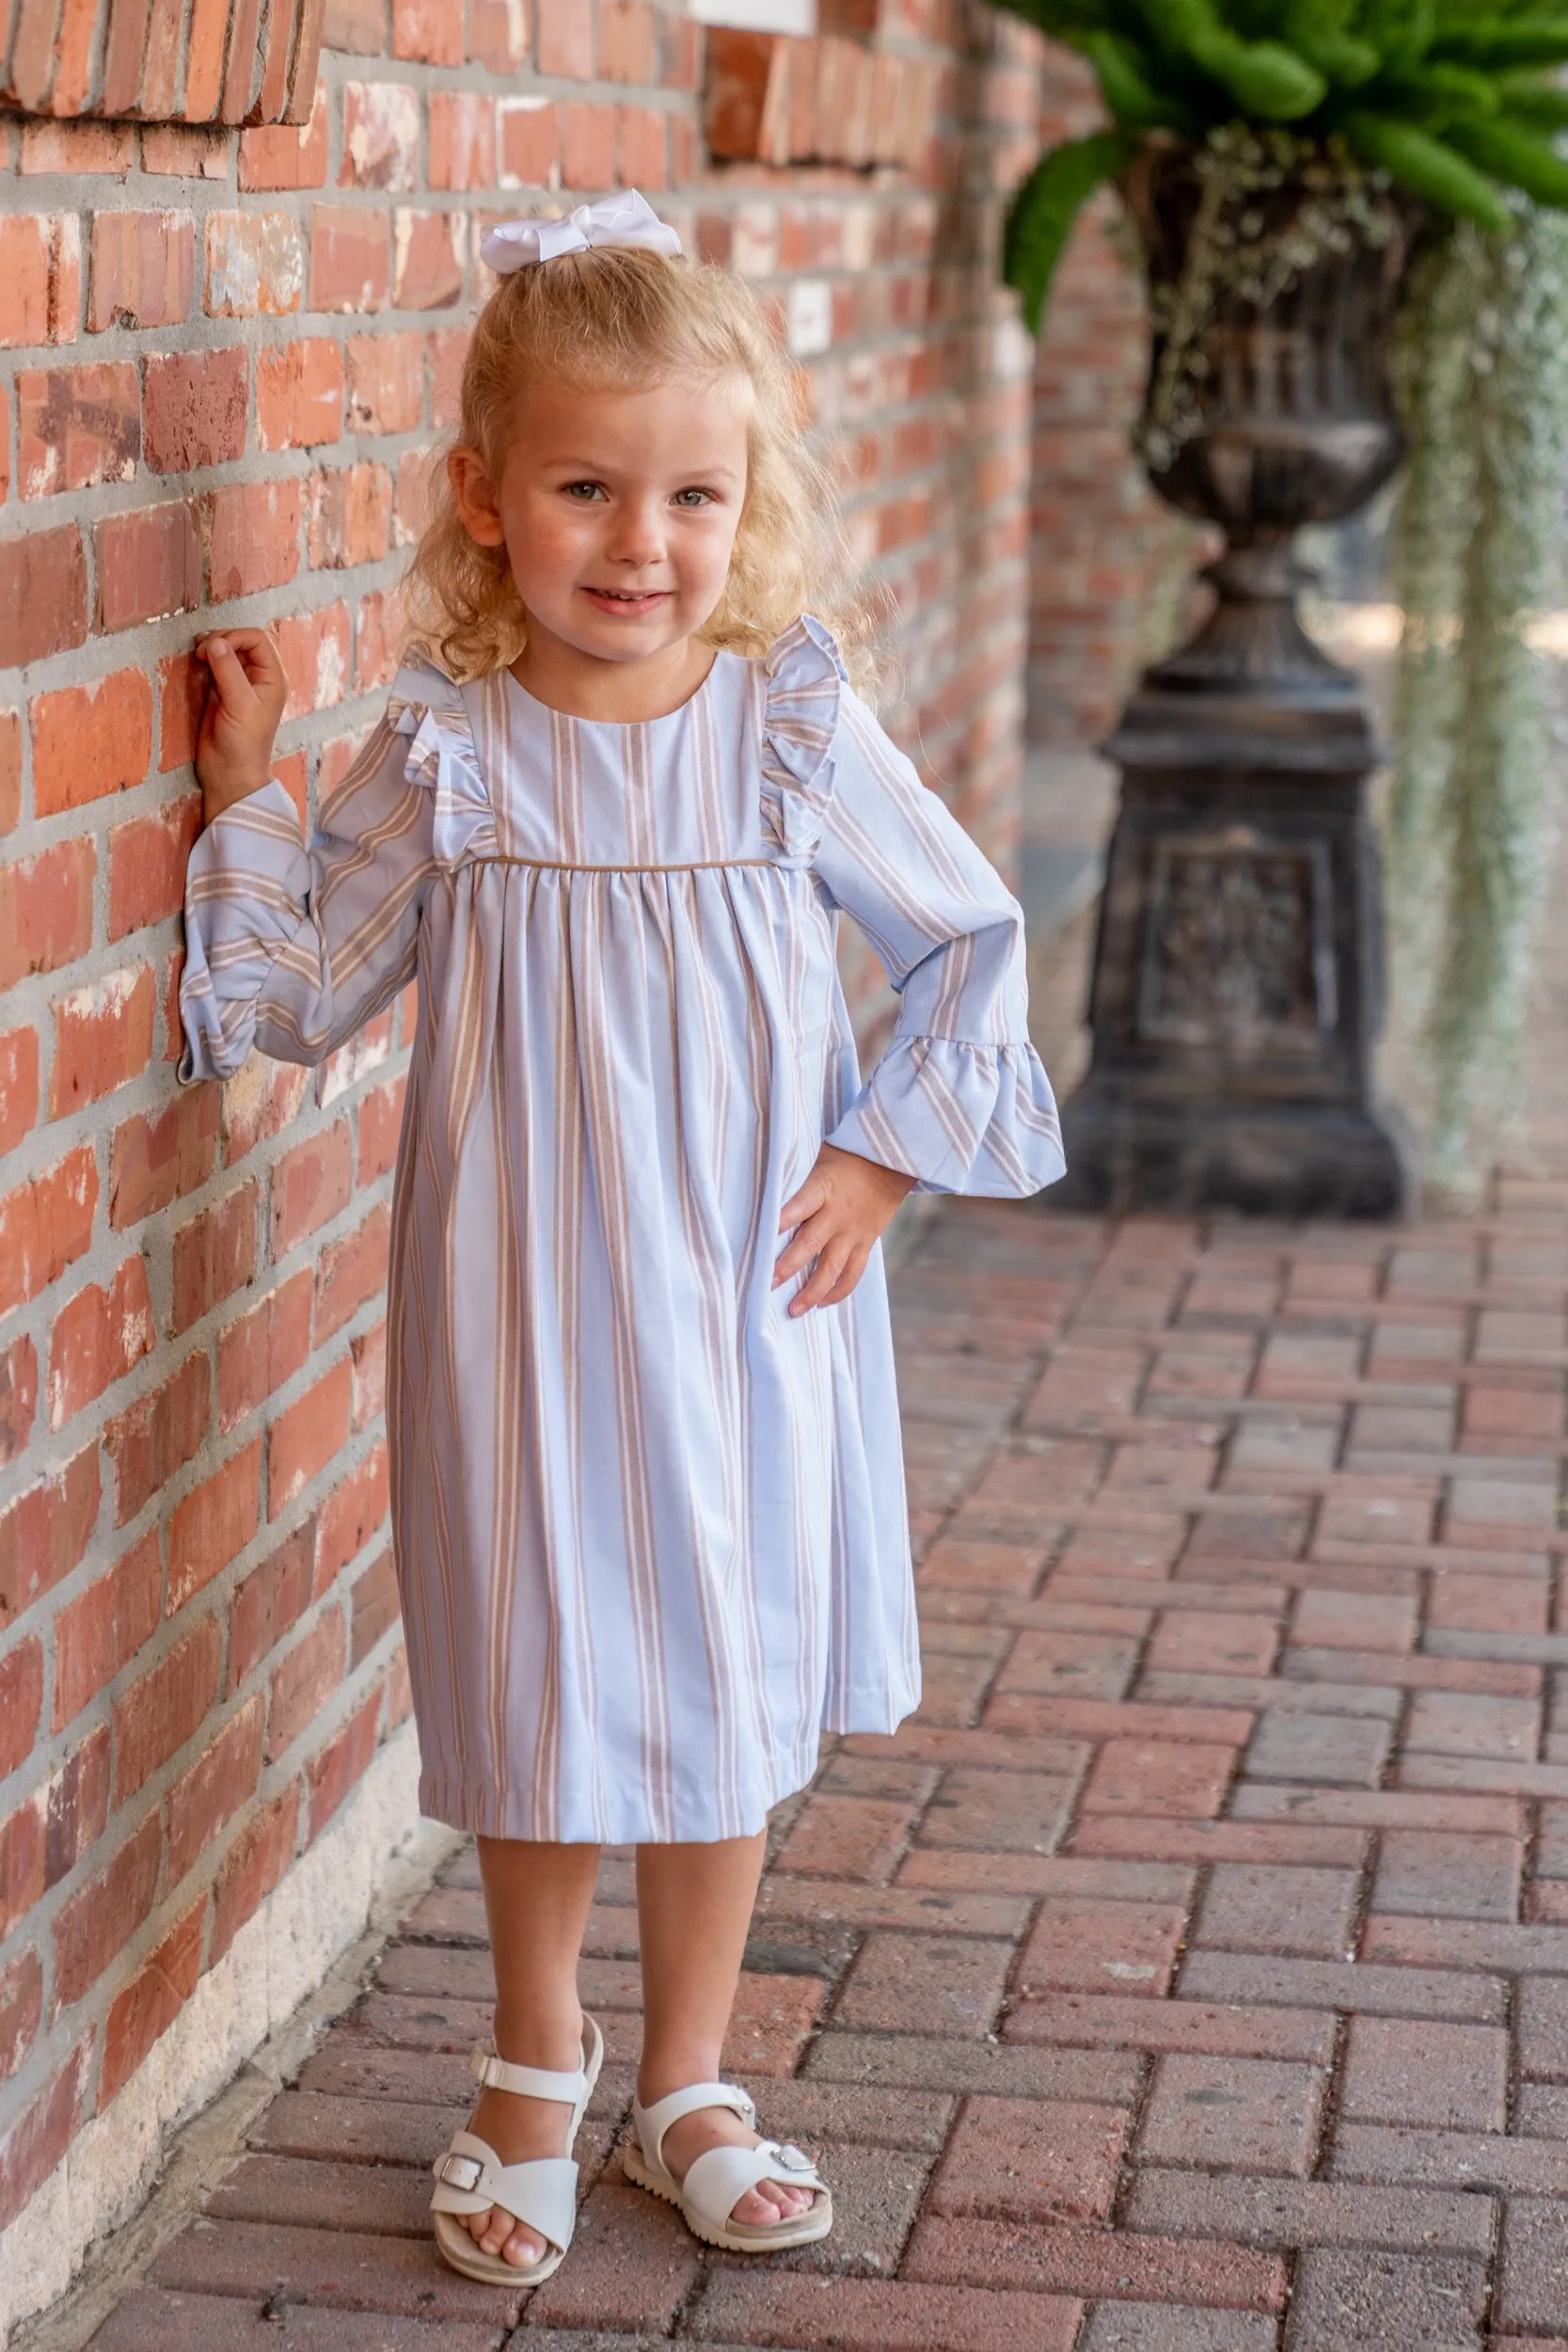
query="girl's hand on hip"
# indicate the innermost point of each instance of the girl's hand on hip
(845, 1204)
(233, 745)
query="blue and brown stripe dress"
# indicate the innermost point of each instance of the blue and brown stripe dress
(650, 1531)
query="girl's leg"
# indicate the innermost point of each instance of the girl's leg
(693, 1909)
(536, 1899)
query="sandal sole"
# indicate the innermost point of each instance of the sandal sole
(489, 2269)
(806, 2232)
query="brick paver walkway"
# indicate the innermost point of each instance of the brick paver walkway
(1192, 1975)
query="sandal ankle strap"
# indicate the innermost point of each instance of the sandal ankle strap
(528, 2082)
(652, 2123)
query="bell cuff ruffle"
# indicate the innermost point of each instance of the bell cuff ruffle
(233, 935)
(959, 1118)
(804, 682)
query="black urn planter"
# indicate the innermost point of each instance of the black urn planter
(1235, 999)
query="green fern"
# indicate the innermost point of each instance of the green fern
(1045, 208)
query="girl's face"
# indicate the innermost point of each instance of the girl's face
(618, 510)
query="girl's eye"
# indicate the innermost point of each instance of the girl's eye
(583, 491)
(693, 498)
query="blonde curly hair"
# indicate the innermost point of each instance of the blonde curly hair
(625, 316)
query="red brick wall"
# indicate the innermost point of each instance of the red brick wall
(223, 358)
(1108, 561)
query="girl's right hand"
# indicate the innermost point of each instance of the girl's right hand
(234, 745)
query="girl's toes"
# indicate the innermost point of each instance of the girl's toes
(523, 2249)
(757, 2209)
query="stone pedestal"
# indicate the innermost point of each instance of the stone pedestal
(1237, 977)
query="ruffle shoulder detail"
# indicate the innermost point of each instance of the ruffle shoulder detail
(427, 708)
(804, 682)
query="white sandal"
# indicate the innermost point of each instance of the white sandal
(716, 2180)
(541, 2193)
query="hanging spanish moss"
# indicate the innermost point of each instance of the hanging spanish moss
(1478, 546)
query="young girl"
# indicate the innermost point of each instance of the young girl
(646, 1481)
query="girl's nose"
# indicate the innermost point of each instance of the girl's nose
(637, 533)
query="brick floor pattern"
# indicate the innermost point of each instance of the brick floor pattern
(1192, 1974)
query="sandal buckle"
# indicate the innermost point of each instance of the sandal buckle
(462, 2172)
(792, 2158)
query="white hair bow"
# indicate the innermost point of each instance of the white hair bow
(625, 218)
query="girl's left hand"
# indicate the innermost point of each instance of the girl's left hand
(843, 1207)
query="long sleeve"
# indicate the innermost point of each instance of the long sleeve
(960, 1100)
(293, 947)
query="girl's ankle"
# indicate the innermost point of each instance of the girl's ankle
(553, 2044)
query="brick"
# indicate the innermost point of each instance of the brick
(264, 1348)
(165, 1709)
(1101, 1947)
(20, 1707)
(40, 272)
(428, 29)
(315, 651)
(102, 1039)
(98, 1336)
(350, 1515)
(90, 740)
(498, 34)
(919, 1984)
(1167, 2328)
(212, 1524)
(41, 2136)
(1434, 1875)
(310, 1184)
(154, 1160)
(385, 382)
(1343, 2302)
(626, 30)
(427, 258)
(1333, 1748)
(286, 154)
(213, 1256)
(373, 1603)
(528, 133)
(350, 259)
(1231, 2113)
(96, 1925)
(1280, 2213)
(45, 1532)
(1357, 1986)
(1088, 2262)
(1020, 1812)
(255, 265)
(303, 1681)
(148, 565)
(1259, 1907)
(212, 1792)
(20, 2012)
(103, 1629)
(462, 139)
(1210, 1641)
(252, 534)
(256, 1860)
(151, 2001)
(1533, 2285)
(332, 2268)
(143, 269)
(76, 427)
(269, 1601)
(587, 145)
(851, 1838)
(381, 135)
(341, 1764)
(11, 771)
(19, 1389)
(881, 2315)
(1065, 2169)
(299, 395)
(43, 593)
(44, 1224)
(1455, 1724)
(566, 36)
(348, 516)
(1186, 1782)
(157, 1435)
(1355, 1621)
(641, 145)
(147, 864)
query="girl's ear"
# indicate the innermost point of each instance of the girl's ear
(474, 497)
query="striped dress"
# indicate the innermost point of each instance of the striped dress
(650, 1531)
